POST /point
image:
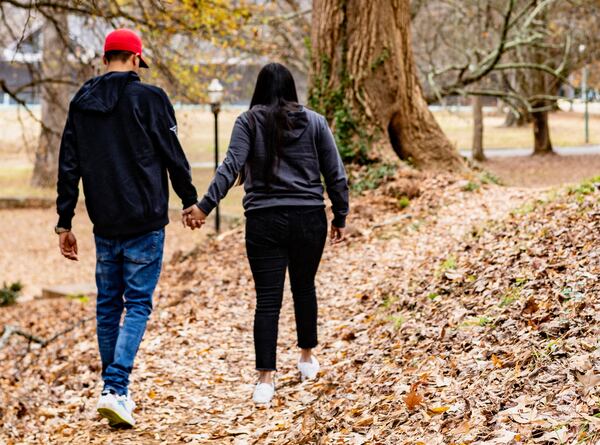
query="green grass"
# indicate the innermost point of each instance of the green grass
(586, 187)
(510, 297)
(403, 202)
(196, 133)
(10, 293)
(471, 187)
(481, 321)
(433, 295)
(397, 320)
(372, 176)
(448, 264)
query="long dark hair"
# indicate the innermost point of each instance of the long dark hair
(276, 90)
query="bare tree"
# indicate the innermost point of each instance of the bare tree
(366, 81)
(177, 26)
(477, 147)
(54, 100)
(535, 52)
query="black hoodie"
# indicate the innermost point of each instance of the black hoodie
(121, 140)
(309, 151)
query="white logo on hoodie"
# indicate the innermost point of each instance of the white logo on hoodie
(174, 129)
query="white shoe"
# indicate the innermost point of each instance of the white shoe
(130, 401)
(309, 370)
(263, 393)
(117, 409)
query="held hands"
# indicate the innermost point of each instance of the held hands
(68, 245)
(193, 217)
(337, 235)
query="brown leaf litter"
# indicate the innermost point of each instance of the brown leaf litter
(427, 336)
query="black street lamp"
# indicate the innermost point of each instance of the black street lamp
(584, 93)
(215, 96)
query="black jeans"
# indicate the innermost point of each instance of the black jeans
(278, 238)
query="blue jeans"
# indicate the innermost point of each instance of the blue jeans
(127, 271)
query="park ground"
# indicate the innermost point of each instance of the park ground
(30, 239)
(459, 311)
(467, 316)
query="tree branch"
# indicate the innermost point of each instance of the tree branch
(43, 342)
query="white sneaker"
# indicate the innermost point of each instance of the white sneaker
(129, 401)
(309, 370)
(263, 393)
(117, 409)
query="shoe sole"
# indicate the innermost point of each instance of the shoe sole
(304, 377)
(114, 420)
(262, 405)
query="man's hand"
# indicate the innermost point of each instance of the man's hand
(68, 245)
(193, 217)
(337, 235)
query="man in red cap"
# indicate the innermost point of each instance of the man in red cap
(120, 140)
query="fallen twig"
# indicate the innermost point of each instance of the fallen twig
(43, 342)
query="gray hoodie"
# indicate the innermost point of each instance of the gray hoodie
(308, 153)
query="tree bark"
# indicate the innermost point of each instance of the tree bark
(541, 133)
(543, 84)
(364, 79)
(54, 100)
(477, 147)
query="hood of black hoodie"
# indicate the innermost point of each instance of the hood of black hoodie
(298, 121)
(101, 94)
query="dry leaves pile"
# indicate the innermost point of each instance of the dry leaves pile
(436, 326)
(513, 324)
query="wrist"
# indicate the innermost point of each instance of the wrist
(205, 205)
(58, 230)
(339, 221)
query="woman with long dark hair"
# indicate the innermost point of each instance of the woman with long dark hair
(279, 150)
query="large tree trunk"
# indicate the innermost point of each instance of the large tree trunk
(364, 80)
(541, 133)
(544, 84)
(55, 100)
(477, 147)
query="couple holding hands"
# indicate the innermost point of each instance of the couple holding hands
(120, 140)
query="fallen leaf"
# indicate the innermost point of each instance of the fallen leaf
(588, 380)
(438, 409)
(365, 421)
(496, 361)
(413, 399)
(530, 307)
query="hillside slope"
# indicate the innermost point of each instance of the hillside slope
(437, 323)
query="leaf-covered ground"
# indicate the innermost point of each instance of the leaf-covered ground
(468, 316)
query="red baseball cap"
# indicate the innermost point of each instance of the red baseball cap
(125, 40)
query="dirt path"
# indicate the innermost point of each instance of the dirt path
(544, 171)
(194, 376)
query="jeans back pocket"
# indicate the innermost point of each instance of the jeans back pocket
(144, 249)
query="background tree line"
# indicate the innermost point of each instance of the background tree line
(374, 65)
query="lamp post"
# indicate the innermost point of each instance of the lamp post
(215, 96)
(584, 92)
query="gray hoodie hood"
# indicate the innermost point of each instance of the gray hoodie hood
(298, 121)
